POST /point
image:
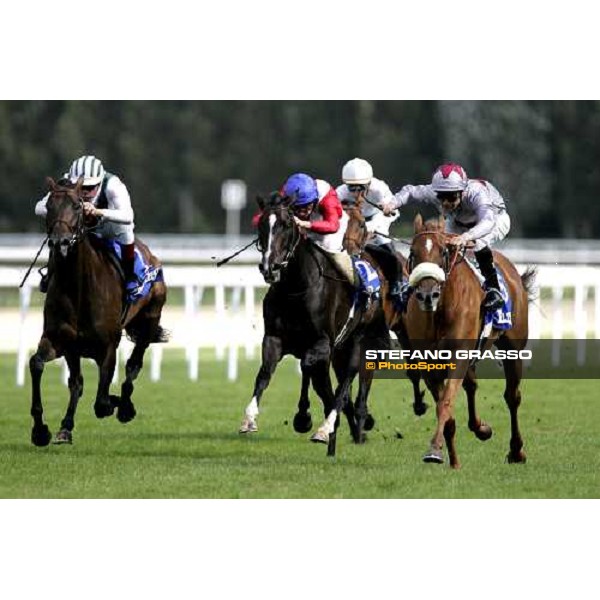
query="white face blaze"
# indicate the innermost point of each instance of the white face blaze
(428, 245)
(267, 254)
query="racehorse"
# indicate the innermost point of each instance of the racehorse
(445, 312)
(83, 314)
(308, 313)
(355, 242)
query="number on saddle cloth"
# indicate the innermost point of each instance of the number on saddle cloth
(367, 276)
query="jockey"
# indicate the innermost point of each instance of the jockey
(318, 211)
(474, 209)
(357, 175)
(106, 198)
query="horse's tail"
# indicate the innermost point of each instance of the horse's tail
(161, 335)
(528, 281)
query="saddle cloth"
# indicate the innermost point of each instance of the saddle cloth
(145, 273)
(500, 318)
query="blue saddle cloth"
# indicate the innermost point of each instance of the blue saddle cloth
(367, 276)
(501, 318)
(145, 274)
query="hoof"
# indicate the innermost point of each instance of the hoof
(63, 437)
(41, 436)
(484, 432)
(369, 422)
(517, 458)
(420, 408)
(248, 426)
(320, 437)
(302, 423)
(126, 412)
(434, 456)
(104, 409)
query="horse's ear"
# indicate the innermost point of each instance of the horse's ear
(418, 223)
(50, 183)
(260, 201)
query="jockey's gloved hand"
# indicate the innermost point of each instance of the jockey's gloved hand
(459, 240)
(388, 208)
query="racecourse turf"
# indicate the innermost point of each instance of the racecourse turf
(184, 442)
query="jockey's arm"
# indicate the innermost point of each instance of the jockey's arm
(330, 209)
(119, 202)
(485, 223)
(409, 194)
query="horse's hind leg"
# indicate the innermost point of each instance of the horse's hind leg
(340, 361)
(104, 407)
(481, 429)
(271, 355)
(513, 370)
(125, 409)
(40, 434)
(303, 419)
(65, 435)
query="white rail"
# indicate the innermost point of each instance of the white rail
(233, 320)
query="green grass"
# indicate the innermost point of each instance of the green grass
(184, 443)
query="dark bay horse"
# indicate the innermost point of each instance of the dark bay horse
(308, 314)
(445, 312)
(83, 315)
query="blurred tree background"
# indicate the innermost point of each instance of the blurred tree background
(174, 155)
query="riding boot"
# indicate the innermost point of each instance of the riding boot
(127, 261)
(493, 298)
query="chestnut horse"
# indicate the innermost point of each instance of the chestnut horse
(83, 315)
(445, 312)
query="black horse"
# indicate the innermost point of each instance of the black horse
(308, 313)
(83, 315)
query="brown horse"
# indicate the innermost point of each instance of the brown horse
(356, 242)
(445, 313)
(83, 315)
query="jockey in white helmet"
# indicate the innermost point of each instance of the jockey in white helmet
(474, 209)
(105, 197)
(357, 175)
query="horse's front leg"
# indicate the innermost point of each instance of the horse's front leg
(65, 435)
(302, 419)
(271, 355)
(40, 434)
(446, 426)
(104, 406)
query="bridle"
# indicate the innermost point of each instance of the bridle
(449, 259)
(78, 231)
(297, 235)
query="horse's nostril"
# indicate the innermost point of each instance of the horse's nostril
(50, 243)
(64, 242)
(420, 296)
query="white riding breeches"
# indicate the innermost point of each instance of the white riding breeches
(332, 242)
(117, 231)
